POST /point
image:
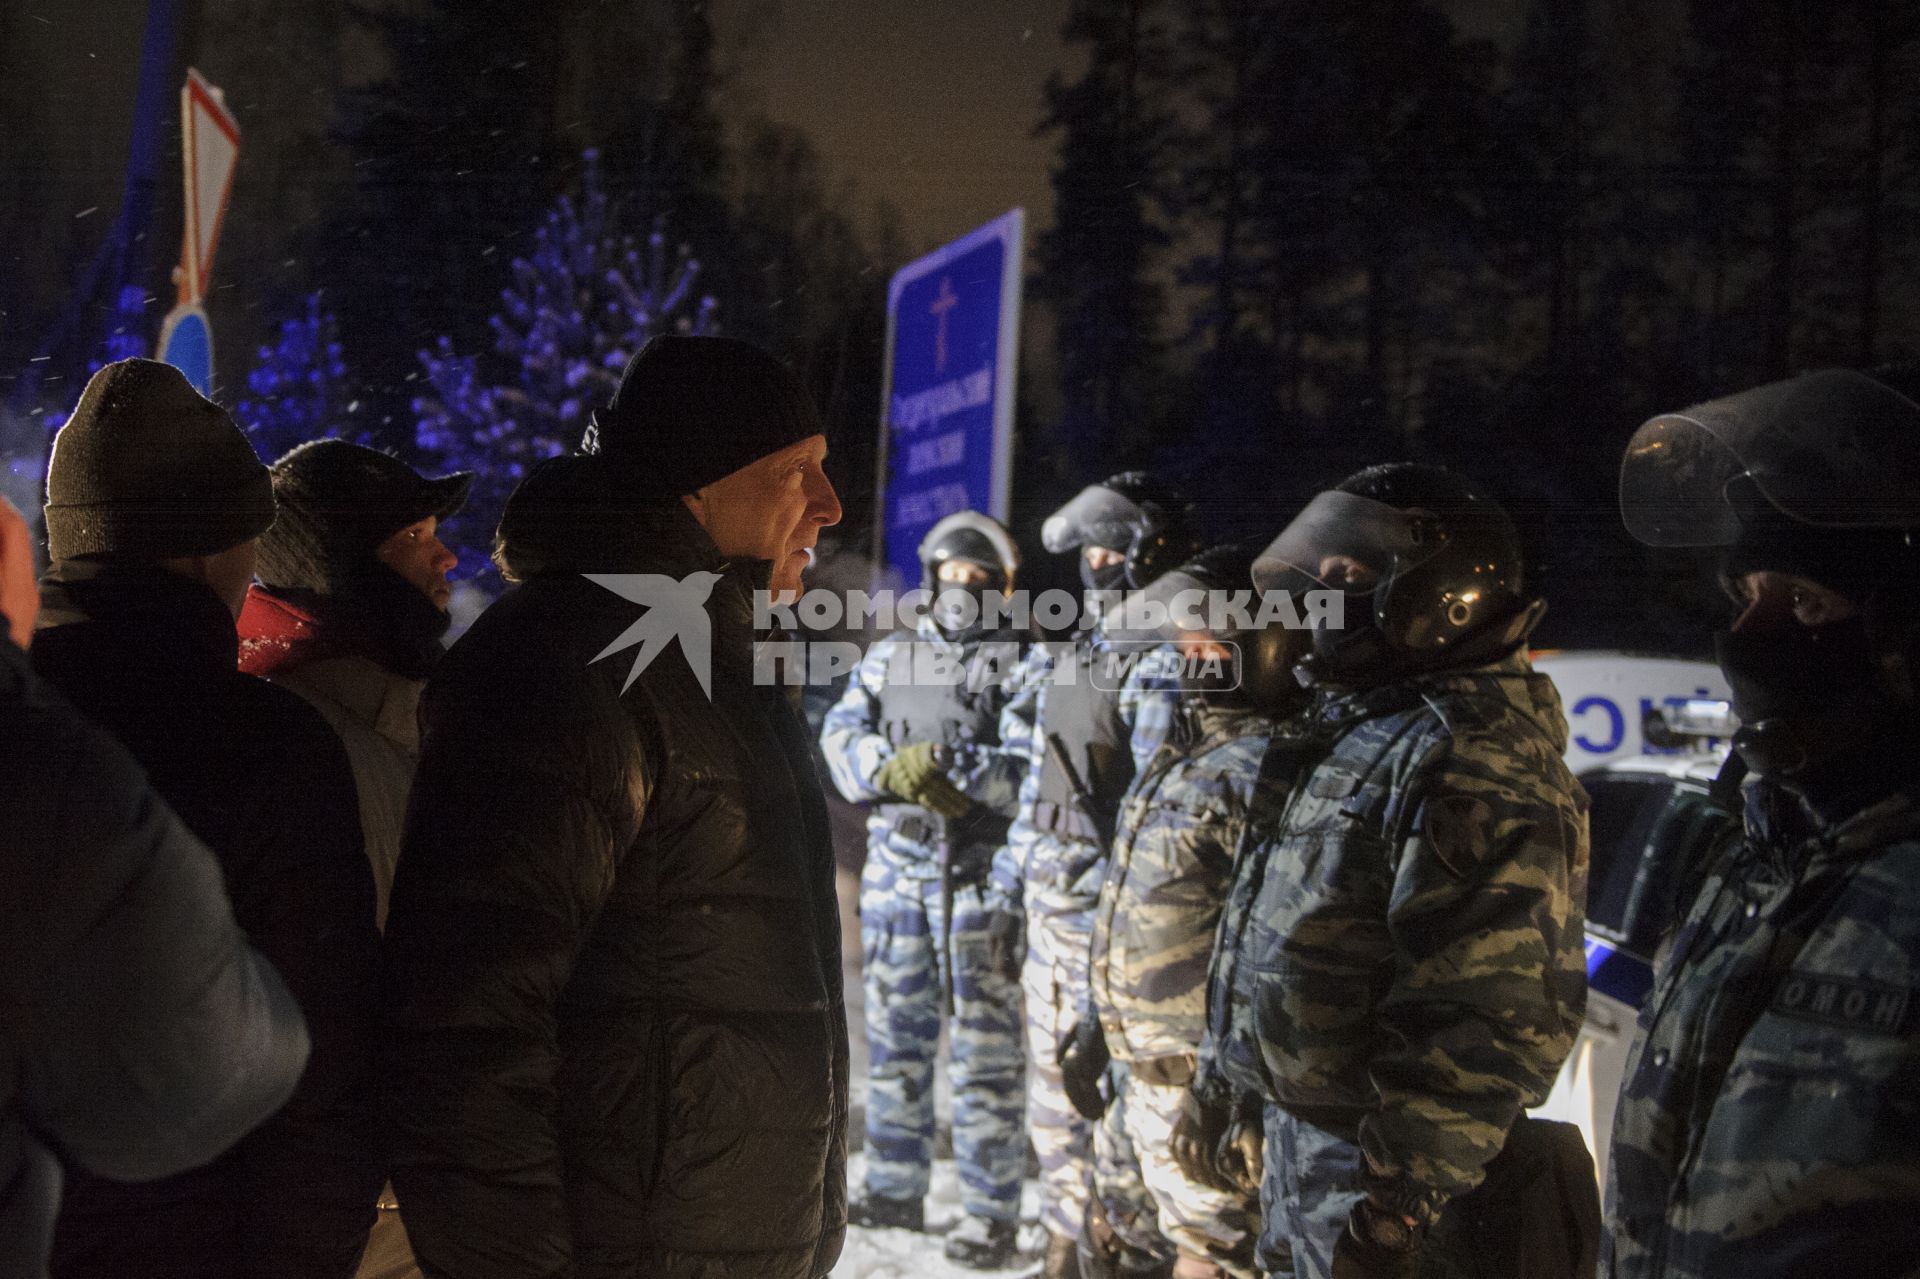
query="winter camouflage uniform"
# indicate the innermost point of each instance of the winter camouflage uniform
(1052, 868)
(923, 914)
(1153, 936)
(1402, 967)
(1770, 1122)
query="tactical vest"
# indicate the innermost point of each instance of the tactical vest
(1080, 725)
(951, 714)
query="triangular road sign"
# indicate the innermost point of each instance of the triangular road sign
(211, 146)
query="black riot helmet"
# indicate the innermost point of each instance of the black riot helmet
(1815, 477)
(1430, 569)
(1206, 599)
(971, 538)
(1132, 513)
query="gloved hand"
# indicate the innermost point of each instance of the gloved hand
(1083, 1062)
(1243, 1148)
(914, 774)
(1199, 1131)
(1243, 1159)
(1006, 942)
(1376, 1245)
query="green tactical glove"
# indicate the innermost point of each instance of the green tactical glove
(914, 774)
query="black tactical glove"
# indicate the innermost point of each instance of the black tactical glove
(915, 775)
(1006, 943)
(1199, 1131)
(1083, 1059)
(1376, 1245)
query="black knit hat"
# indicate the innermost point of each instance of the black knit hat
(338, 502)
(690, 410)
(147, 467)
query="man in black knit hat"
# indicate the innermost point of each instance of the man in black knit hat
(155, 502)
(614, 1010)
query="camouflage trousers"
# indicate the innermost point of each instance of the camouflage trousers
(907, 945)
(1196, 1220)
(1054, 981)
(1118, 1180)
(1311, 1185)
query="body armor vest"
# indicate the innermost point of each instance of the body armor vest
(1084, 722)
(952, 714)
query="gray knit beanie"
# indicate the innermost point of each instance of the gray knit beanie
(149, 468)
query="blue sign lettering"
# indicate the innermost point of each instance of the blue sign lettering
(1617, 725)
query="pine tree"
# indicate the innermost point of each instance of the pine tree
(128, 337)
(579, 307)
(1098, 261)
(299, 389)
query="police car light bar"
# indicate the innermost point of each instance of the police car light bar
(1686, 723)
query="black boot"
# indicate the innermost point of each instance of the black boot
(1063, 1258)
(878, 1211)
(980, 1244)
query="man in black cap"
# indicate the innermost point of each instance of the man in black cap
(349, 611)
(614, 1006)
(154, 504)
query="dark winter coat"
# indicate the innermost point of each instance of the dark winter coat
(139, 1035)
(260, 778)
(613, 985)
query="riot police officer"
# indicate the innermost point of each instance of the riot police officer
(1770, 1119)
(916, 735)
(1090, 714)
(1181, 826)
(1401, 969)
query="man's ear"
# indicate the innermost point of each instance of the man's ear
(697, 503)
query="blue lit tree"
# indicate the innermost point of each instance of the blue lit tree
(580, 305)
(299, 390)
(128, 339)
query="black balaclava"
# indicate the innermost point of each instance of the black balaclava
(1113, 577)
(1827, 710)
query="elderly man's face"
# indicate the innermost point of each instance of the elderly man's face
(772, 509)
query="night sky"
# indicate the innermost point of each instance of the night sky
(931, 107)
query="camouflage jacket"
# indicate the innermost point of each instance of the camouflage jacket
(1172, 859)
(986, 674)
(1036, 870)
(1403, 964)
(1770, 1122)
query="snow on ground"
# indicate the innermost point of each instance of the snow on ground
(903, 1254)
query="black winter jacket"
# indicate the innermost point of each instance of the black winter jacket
(139, 1035)
(613, 958)
(255, 772)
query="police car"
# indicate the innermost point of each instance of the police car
(1649, 736)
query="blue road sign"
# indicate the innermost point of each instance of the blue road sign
(186, 342)
(946, 432)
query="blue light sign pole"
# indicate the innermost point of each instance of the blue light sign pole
(946, 421)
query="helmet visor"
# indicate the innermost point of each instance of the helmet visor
(1343, 542)
(1833, 449)
(1096, 517)
(973, 537)
(1175, 606)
